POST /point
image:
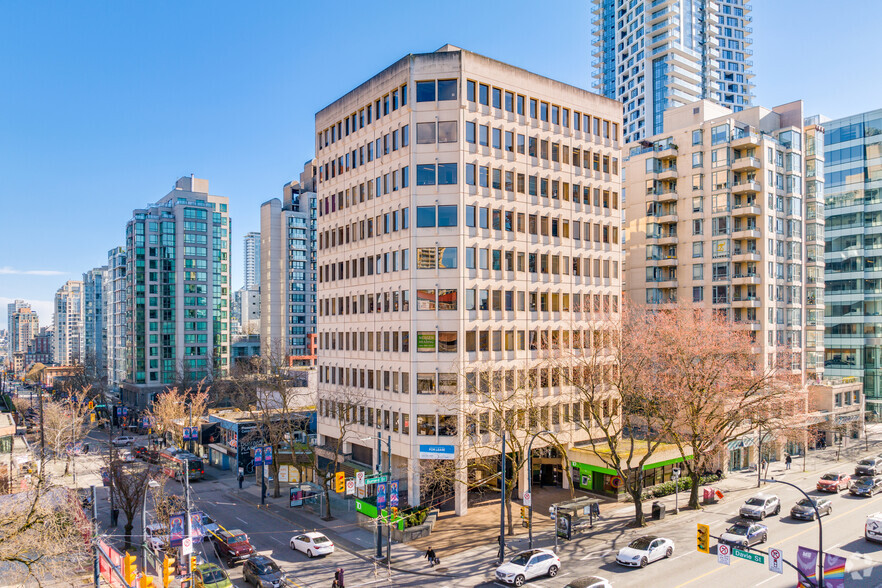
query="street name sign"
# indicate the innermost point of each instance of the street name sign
(749, 555)
(376, 479)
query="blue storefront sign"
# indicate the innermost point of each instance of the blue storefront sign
(436, 451)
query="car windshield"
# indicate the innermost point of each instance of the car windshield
(238, 539)
(318, 540)
(755, 502)
(641, 543)
(833, 477)
(806, 502)
(738, 529)
(521, 559)
(863, 482)
(269, 567)
(212, 576)
(866, 462)
(207, 520)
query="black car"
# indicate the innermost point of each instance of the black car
(868, 467)
(805, 508)
(263, 572)
(865, 486)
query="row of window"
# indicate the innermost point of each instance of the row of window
(534, 224)
(364, 154)
(540, 110)
(389, 222)
(373, 111)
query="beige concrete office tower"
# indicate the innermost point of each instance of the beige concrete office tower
(288, 273)
(715, 216)
(24, 325)
(467, 216)
(177, 292)
(68, 329)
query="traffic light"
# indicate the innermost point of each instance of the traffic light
(168, 570)
(340, 482)
(130, 569)
(524, 512)
(703, 538)
(192, 563)
(146, 581)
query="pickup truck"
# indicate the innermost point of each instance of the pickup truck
(232, 546)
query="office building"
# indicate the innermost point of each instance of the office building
(177, 292)
(246, 310)
(94, 340)
(853, 192)
(468, 222)
(288, 273)
(717, 215)
(67, 334)
(252, 259)
(653, 55)
(115, 316)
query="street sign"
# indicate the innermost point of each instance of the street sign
(376, 479)
(528, 499)
(350, 486)
(776, 560)
(359, 479)
(749, 555)
(723, 553)
(393, 493)
(187, 546)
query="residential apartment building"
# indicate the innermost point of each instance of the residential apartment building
(252, 259)
(653, 55)
(11, 345)
(853, 193)
(177, 291)
(94, 340)
(24, 325)
(717, 215)
(115, 316)
(468, 225)
(67, 334)
(246, 310)
(288, 272)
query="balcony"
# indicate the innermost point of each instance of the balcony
(746, 302)
(666, 262)
(667, 283)
(667, 240)
(669, 173)
(667, 218)
(739, 256)
(745, 279)
(747, 187)
(746, 233)
(666, 196)
(746, 164)
(746, 210)
(749, 138)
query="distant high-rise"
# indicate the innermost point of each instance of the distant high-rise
(115, 316)
(177, 292)
(68, 324)
(288, 282)
(93, 343)
(657, 54)
(252, 259)
(24, 325)
(15, 344)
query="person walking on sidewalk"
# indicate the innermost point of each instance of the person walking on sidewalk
(787, 461)
(430, 555)
(241, 479)
(338, 579)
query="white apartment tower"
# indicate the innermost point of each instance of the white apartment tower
(24, 325)
(67, 331)
(252, 259)
(177, 292)
(468, 214)
(288, 272)
(653, 55)
(12, 345)
(718, 216)
(115, 316)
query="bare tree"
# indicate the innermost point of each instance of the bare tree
(128, 483)
(173, 408)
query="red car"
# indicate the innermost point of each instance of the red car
(834, 482)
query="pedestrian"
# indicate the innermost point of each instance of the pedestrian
(430, 555)
(787, 461)
(241, 479)
(338, 579)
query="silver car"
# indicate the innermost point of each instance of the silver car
(760, 506)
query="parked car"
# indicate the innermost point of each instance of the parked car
(834, 482)
(140, 452)
(873, 527)
(745, 534)
(263, 572)
(645, 550)
(528, 565)
(210, 576)
(868, 467)
(865, 485)
(157, 537)
(232, 546)
(589, 582)
(126, 456)
(123, 440)
(760, 506)
(805, 508)
(210, 526)
(312, 544)
(151, 456)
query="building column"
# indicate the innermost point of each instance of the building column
(566, 471)
(522, 481)
(413, 482)
(460, 488)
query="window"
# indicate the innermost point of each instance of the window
(425, 216)
(470, 90)
(426, 258)
(425, 300)
(426, 424)
(509, 101)
(446, 215)
(447, 299)
(697, 159)
(696, 137)
(447, 131)
(425, 133)
(446, 257)
(447, 341)
(426, 174)
(497, 98)
(425, 91)
(483, 135)
(447, 174)
(719, 134)
(425, 383)
(446, 89)
(470, 132)
(425, 341)
(484, 94)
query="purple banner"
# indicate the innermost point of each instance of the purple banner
(834, 571)
(393, 493)
(176, 529)
(807, 563)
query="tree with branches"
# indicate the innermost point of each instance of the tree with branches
(173, 409)
(128, 484)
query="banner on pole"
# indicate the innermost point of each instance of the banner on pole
(807, 564)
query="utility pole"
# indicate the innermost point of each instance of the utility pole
(502, 504)
(189, 530)
(96, 569)
(379, 471)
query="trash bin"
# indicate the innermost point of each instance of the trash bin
(658, 511)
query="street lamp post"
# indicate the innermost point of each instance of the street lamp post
(379, 470)
(150, 484)
(820, 528)
(530, 484)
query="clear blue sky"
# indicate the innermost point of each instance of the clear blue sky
(105, 104)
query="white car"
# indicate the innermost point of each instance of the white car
(157, 537)
(123, 440)
(873, 527)
(528, 565)
(312, 544)
(645, 550)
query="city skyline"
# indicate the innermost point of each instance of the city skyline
(106, 119)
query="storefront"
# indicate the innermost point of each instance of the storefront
(592, 474)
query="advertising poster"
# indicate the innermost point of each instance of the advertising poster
(564, 526)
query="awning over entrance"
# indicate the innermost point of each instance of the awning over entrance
(741, 443)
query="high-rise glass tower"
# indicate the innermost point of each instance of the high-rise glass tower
(657, 54)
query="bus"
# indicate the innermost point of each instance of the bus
(172, 460)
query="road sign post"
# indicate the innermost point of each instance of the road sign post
(723, 554)
(776, 560)
(675, 474)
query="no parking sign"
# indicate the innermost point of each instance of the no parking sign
(776, 560)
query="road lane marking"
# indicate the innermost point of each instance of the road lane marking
(769, 579)
(277, 541)
(684, 555)
(243, 522)
(794, 536)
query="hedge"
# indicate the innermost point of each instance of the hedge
(668, 488)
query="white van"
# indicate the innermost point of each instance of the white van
(873, 527)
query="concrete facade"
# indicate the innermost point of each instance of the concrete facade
(252, 259)
(67, 331)
(24, 325)
(94, 340)
(468, 213)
